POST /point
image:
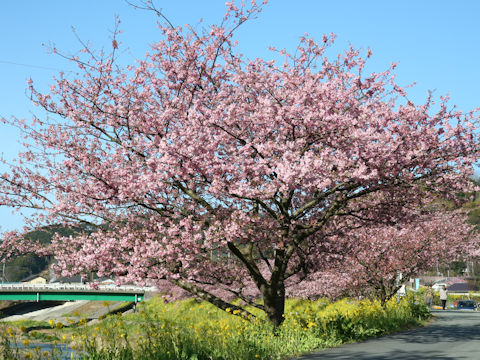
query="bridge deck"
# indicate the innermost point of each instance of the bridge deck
(68, 292)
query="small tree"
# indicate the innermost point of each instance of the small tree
(225, 175)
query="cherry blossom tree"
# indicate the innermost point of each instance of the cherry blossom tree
(224, 175)
(376, 257)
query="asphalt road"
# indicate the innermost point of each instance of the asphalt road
(451, 335)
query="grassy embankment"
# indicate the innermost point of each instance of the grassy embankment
(192, 330)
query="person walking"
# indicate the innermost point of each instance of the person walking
(429, 295)
(443, 296)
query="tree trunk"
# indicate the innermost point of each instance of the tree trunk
(381, 294)
(274, 302)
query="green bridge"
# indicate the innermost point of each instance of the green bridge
(71, 292)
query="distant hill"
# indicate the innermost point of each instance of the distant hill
(26, 265)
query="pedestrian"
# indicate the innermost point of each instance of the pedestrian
(443, 296)
(429, 293)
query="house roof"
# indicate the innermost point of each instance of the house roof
(462, 287)
(73, 279)
(34, 276)
(450, 280)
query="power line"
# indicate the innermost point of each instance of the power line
(28, 65)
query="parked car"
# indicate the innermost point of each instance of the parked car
(466, 305)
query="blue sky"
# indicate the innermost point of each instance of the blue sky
(435, 42)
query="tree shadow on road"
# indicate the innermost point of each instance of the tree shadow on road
(392, 355)
(444, 329)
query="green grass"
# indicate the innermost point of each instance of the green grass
(28, 324)
(190, 330)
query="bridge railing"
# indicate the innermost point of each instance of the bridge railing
(75, 287)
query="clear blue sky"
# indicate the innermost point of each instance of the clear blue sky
(435, 42)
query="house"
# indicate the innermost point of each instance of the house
(34, 279)
(447, 282)
(462, 287)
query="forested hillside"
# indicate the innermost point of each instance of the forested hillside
(30, 264)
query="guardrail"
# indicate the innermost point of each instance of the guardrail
(76, 287)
